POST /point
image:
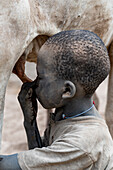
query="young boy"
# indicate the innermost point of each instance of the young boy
(71, 65)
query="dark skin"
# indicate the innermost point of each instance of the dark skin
(27, 97)
(28, 103)
(70, 99)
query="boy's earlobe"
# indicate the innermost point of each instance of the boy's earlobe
(69, 90)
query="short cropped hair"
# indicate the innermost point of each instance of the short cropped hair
(80, 56)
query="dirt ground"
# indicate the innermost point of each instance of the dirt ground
(14, 137)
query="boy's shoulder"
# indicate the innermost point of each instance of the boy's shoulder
(88, 133)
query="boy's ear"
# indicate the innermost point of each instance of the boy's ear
(69, 90)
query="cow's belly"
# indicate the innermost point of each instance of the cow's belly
(98, 18)
(95, 16)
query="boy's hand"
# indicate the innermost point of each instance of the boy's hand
(28, 102)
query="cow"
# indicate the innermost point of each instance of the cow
(26, 24)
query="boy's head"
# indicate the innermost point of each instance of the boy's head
(77, 56)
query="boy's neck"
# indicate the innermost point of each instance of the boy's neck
(75, 107)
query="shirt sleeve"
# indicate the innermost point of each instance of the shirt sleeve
(59, 156)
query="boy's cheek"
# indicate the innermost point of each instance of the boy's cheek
(39, 93)
(43, 97)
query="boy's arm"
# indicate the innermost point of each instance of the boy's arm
(28, 104)
(33, 136)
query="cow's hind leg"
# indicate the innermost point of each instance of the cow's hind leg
(109, 106)
(6, 65)
(4, 77)
(2, 96)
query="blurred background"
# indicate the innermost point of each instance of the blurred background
(13, 135)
